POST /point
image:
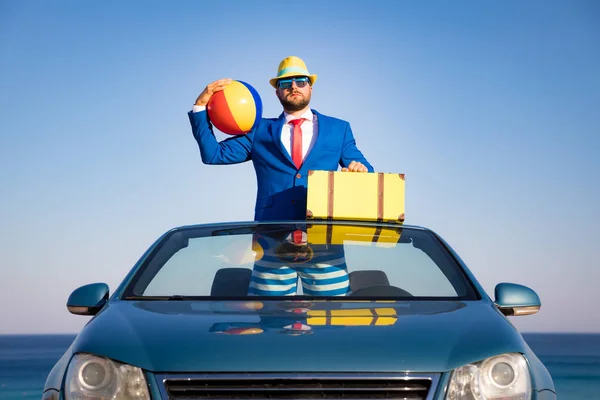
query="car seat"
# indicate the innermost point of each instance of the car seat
(231, 282)
(365, 278)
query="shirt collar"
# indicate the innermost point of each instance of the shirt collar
(307, 114)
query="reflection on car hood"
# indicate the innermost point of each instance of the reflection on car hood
(342, 336)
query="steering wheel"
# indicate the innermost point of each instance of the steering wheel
(381, 291)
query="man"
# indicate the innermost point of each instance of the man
(282, 149)
(287, 256)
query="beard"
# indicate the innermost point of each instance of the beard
(295, 103)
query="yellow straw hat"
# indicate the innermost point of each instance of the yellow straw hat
(292, 66)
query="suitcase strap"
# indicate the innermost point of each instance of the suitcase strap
(330, 195)
(380, 198)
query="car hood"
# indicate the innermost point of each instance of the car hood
(340, 336)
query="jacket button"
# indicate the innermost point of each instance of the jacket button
(293, 202)
(298, 176)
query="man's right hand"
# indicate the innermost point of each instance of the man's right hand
(211, 89)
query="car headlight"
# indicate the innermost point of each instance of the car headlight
(96, 378)
(501, 377)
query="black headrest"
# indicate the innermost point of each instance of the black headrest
(361, 279)
(231, 282)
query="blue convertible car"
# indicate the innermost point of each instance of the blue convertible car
(300, 310)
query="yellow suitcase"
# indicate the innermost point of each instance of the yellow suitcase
(378, 316)
(359, 196)
(318, 234)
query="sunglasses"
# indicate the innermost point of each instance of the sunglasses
(287, 83)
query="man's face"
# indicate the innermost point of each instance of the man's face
(293, 98)
(294, 253)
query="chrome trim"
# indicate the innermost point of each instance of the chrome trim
(433, 378)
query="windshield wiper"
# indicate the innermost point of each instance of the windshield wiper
(177, 297)
(173, 297)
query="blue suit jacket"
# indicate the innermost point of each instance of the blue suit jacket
(281, 191)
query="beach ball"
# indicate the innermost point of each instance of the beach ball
(235, 110)
(240, 252)
(243, 331)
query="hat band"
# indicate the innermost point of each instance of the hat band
(288, 70)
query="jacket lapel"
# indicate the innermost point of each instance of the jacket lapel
(322, 129)
(276, 128)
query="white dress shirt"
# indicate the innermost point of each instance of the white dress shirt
(309, 130)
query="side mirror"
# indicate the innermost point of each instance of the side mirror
(88, 299)
(515, 300)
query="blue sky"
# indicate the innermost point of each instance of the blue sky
(489, 108)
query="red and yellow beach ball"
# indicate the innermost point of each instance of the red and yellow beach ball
(235, 110)
(240, 252)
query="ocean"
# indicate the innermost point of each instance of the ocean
(572, 359)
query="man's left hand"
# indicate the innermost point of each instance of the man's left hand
(355, 166)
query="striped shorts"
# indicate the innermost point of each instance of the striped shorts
(324, 275)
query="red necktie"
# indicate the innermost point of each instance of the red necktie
(297, 141)
(297, 236)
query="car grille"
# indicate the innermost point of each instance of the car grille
(297, 386)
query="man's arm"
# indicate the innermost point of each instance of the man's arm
(232, 150)
(352, 158)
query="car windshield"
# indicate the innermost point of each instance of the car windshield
(320, 259)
